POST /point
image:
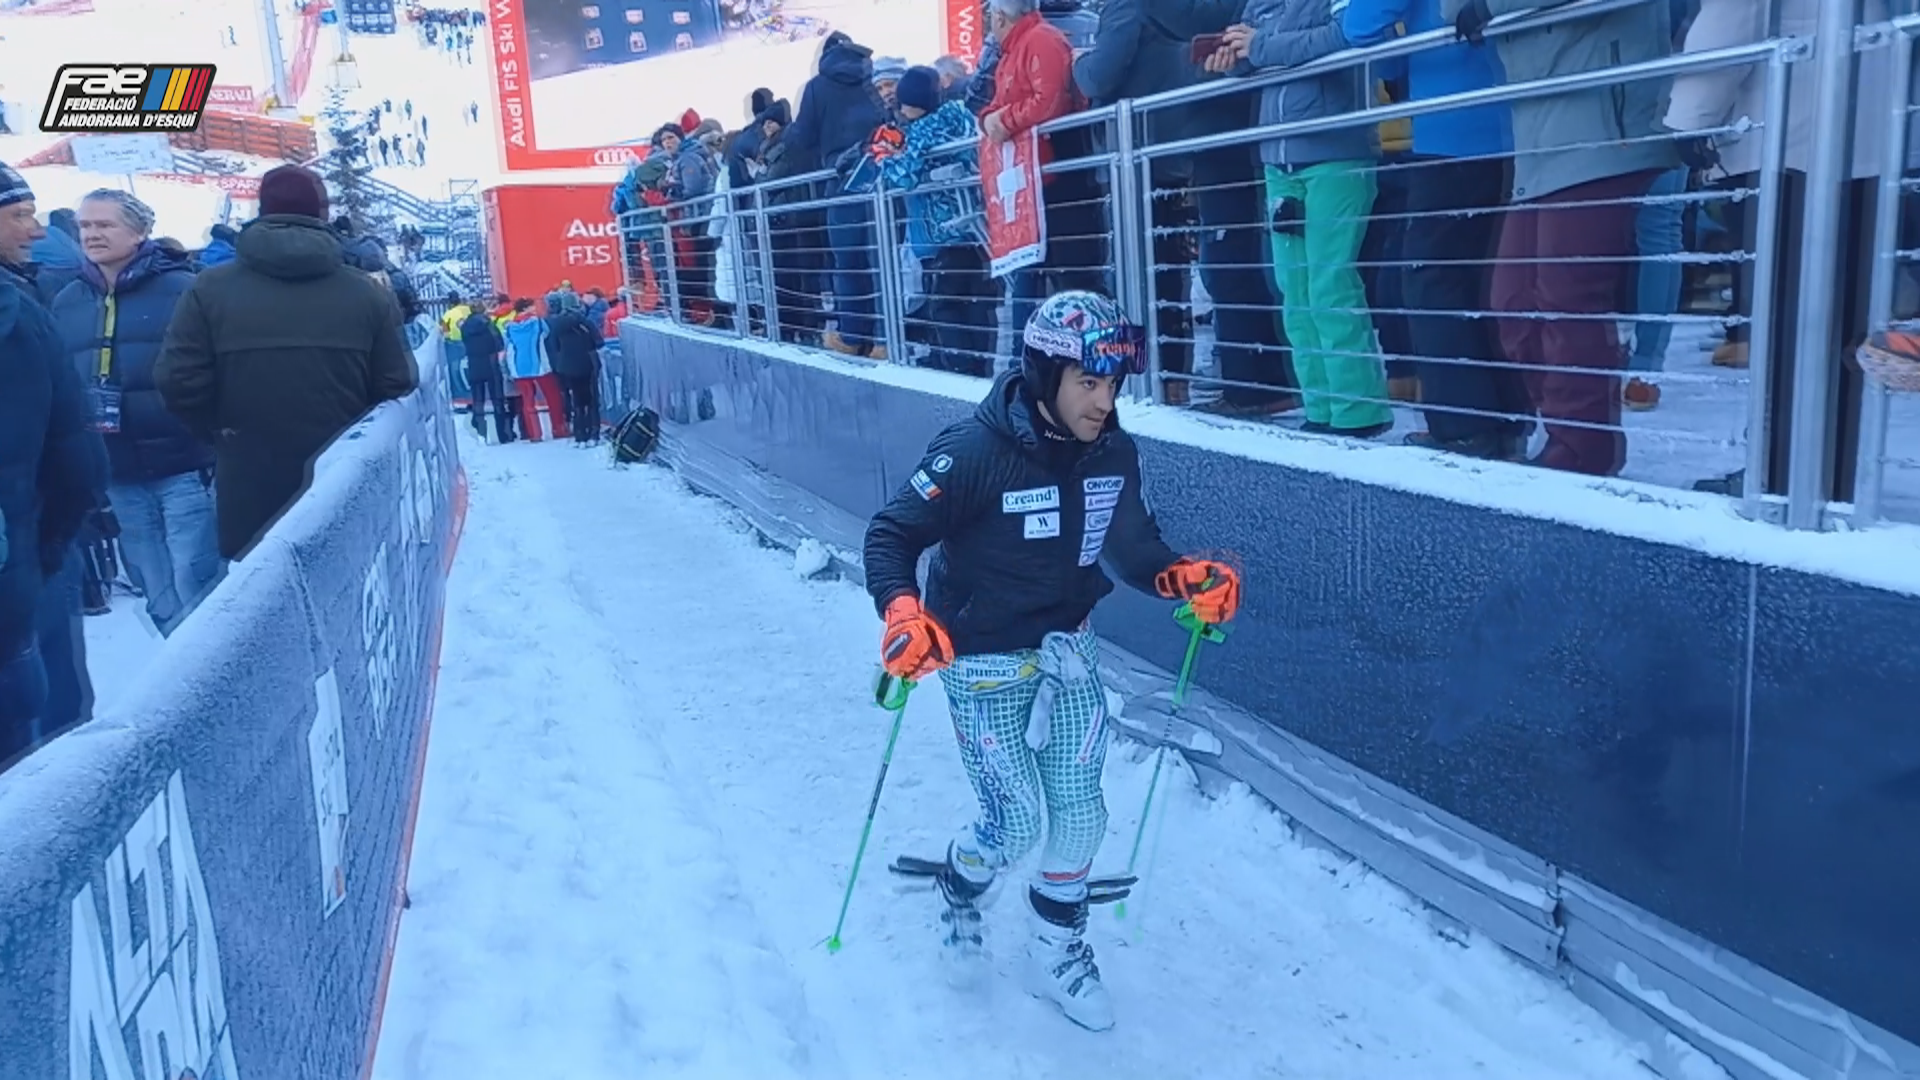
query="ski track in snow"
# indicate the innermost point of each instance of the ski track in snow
(651, 755)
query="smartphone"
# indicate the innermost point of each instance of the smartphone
(1206, 45)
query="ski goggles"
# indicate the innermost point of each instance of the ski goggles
(1119, 349)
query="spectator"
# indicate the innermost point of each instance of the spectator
(1143, 47)
(1705, 101)
(112, 322)
(1659, 234)
(273, 355)
(942, 225)
(219, 249)
(573, 345)
(1475, 403)
(839, 112)
(500, 310)
(596, 306)
(57, 254)
(610, 322)
(528, 367)
(1582, 162)
(953, 78)
(48, 476)
(23, 246)
(1320, 187)
(696, 175)
(453, 350)
(886, 80)
(61, 644)
(1033, 83)
(485, 375)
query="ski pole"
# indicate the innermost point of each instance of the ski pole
(890, 694)
(1198, 630)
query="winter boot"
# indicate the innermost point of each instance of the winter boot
(1061, 967)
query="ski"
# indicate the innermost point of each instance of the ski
(1103, 890)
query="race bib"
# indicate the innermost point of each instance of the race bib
(106, 408)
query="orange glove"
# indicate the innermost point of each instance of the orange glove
(914, 645)
(1213, 588)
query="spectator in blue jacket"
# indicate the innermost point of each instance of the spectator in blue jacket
(944, 225)
(219, 247)
(112, 321)
(48, 475)
(1464, 171)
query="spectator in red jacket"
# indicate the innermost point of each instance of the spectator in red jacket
(1032, 84)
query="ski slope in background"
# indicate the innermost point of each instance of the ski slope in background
(650, 757)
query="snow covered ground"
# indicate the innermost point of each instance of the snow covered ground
(651, 753)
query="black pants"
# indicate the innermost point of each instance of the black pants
(959, 314)
(1230, 197)
(580, 397)
(485, 390)
(1173, 221)
(1460, 381)
(1382, 257)
(799, 242)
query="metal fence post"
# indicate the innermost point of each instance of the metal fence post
(1131, 192)
(669, 245)
(730, 235)
(886, 263)
(1814, 381)
(1766, 270)
(770, 286)
(1870, 472)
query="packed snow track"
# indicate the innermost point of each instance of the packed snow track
(653, 746)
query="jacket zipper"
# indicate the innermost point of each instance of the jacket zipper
(109, 321)
(1619, 94)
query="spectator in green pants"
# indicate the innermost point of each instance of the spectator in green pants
(1320, 190)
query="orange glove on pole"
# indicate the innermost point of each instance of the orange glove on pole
(914, 645)
(1213, 588)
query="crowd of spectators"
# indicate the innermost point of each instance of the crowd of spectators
(515, 357)
(167, 406)
(1504, 268)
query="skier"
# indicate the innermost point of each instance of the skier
(1022, 500)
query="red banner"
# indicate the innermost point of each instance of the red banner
(1016, 226)
(233, 98)
(240, 187)
(513, 102)
(966, 30)
(541, 235)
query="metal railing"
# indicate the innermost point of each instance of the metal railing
(799, 260)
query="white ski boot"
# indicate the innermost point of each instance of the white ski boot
(1060, 963)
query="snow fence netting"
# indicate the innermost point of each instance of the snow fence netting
(207, 879)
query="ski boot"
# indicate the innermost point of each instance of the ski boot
(1060, 962)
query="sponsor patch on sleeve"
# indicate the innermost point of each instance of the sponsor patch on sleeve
(924, 484)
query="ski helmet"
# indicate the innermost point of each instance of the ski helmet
(1083, 329)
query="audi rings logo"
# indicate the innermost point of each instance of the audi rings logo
(614, 155)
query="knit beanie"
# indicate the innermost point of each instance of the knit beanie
(920, 88)
(138, 215)
(13, 187)
(888, 68)
(290, 189)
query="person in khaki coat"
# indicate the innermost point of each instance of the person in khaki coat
(270, 357)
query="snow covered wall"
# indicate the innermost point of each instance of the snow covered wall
(1663, 753)
(206, 880)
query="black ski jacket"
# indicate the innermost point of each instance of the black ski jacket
(1022, 515)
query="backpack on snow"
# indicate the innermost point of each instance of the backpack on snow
(635, 436)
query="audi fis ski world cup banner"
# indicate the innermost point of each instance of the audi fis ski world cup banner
(556, 66)
(127, 97)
